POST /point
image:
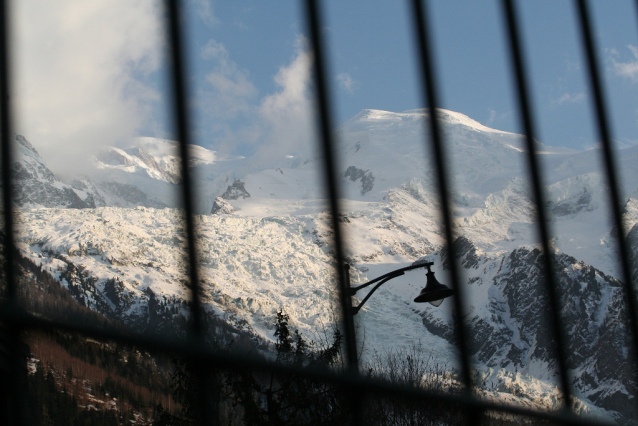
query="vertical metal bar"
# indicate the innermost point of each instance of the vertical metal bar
(328, 148)
(7, 155)
(430, 97)
(609, 164)
(535, 172)
(15, 379)
(324, 124)
(182, 126)
(180, 93)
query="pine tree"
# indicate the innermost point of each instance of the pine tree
(288, 399)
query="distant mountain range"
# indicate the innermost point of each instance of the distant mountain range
(114, 235)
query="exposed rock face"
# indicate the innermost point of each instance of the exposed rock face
(221, 206)
(34, 185)
(236, 190)
(571, 205)
(632, 241)
(166, 170)
(142, 162)
(511, 329)
(85, 185)
(466, 251)
(129, 195)
(366, 176)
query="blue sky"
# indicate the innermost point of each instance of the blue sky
(93, 73)
(372, 64)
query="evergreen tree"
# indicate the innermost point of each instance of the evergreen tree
(289, 399)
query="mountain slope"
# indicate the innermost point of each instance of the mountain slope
(510, 329)
(34, 185)
(268, 246)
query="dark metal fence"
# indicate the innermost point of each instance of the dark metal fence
(16, 319)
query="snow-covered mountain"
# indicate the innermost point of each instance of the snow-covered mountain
(34, 185)
(509, 312)
(146, 172)
(264, 243)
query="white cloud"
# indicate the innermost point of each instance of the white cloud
(275, 125)
(79, 72)
(627, 69)
(346, 82)
(616, 143)
(570, 98)
(492, 116)
(229, 88)
(495, 117)
(287, 115)
(206, 11)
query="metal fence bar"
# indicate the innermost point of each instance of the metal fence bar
(195, 347)
(609, 164)
(324, 124)
(429, 85)
(15, 388)
(535, 172)
(325, 127)
(7, 153)
(226, 360)
(178, 63)
(180, 111)
(430, 96)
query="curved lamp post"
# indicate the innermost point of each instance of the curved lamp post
(434, 292)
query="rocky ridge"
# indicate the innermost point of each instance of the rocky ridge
(275, 248)
(34, 185)
(510, 329)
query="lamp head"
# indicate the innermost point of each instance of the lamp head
(434, 292)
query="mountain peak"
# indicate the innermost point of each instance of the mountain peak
(25, 148)
(36, 186)
(446, 116)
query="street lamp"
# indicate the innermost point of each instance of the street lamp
(434, 292)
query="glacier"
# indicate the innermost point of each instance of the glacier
(116, 236)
